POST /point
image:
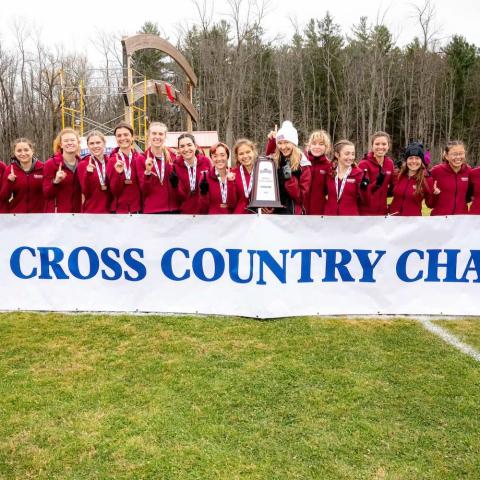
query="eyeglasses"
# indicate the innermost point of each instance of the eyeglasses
(456, 154)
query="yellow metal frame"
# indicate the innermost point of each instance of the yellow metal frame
(73, 111)
(138, 116)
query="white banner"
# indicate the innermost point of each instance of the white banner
(258, 266)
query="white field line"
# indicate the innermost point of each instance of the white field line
(449, 338)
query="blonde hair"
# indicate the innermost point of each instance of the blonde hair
(96, 133)
(157, 124)
(165, 151)
(294, 158)
(58, 139)
(320, 136)
(239, 143)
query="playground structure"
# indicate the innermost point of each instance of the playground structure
(134, 94)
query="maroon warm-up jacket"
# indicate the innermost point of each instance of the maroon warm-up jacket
(189, 200)
(96, 200)
(377, 204)
(26, 192)
(475, 191)
(452, 199)
(63, 197)
(212, 202)
(126, 196)
(407, 202)
(352, 196)
(158, 194)
(242, 200)
(320, 170)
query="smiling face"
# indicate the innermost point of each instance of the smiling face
(124, 138)
(285, 147)
(380, 146)
(69, 143)
(317, 148)
(456, 157)
(220, 158)
(157, 136)
(96, 145)
(346, 156)
(246, 156)
(414, 164)
(23, 152)
(186, 148)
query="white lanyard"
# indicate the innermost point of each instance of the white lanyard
(155, 164)
(192, 174)
(127, 167)
(344, 181)
(102, 174)
(223, 186)
(246, 189)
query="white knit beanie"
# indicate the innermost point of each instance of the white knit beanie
(288, 132)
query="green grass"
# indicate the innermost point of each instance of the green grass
(467, 330)
(121, 397)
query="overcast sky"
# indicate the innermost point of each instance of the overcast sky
(75, 24)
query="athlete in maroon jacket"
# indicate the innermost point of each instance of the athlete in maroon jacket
(318, 146)
(3, 204)
(92, 171)
(61, 185)
(293, 169)
(154, 173)
(380, 171)
(21, 186)
(122, 172)
(221, 195)
(347, 186)
(451, 182)
(475, 191)
(245, 153)
(412, 184)
(190, 169)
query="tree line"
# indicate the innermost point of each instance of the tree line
(348, 84)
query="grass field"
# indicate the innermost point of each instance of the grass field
(149, 397)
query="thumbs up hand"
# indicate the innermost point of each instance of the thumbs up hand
(90, 165)
(436, 190)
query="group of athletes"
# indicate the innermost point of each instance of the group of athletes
(322, 179)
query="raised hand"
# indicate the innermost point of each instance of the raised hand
(148, 166)
(12, 175)
(119, 165)
(60, 175)
(90, 165)
(273, 133)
